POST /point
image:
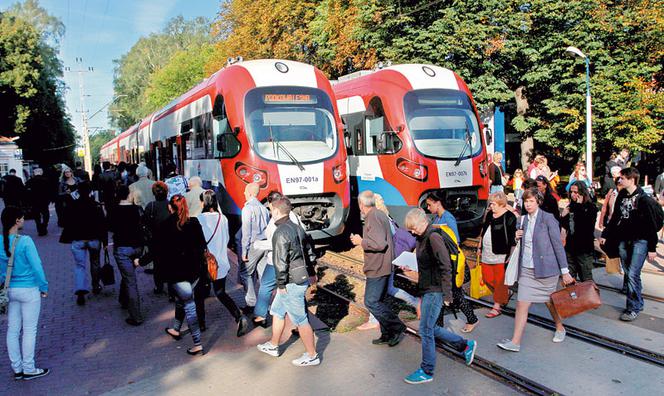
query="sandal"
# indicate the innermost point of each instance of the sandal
(197, 352)
(175, 337)
(493, 313)
(469, 327)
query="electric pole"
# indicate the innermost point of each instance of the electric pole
(87, 160)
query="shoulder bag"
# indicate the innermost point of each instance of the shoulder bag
(512, 270)
(210, 260)
(4, 293)
(107, 272)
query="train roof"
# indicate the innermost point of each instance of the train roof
(419, 76)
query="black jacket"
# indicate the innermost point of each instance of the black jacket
(496, 174)
(550, 205)
(503, 231)
(434, 265)
(287, 251)
(580, 226)
(633, 218)
(40, 190)
(179, 251)
(84, 220)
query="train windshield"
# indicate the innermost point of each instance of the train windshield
(290, 124)
(442, 123)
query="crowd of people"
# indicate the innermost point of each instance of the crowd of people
(176, 229)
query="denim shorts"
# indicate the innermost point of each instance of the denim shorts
(291, 303)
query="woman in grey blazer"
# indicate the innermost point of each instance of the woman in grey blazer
(542, 261)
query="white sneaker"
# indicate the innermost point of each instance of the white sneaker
(559, 336)
(268, 348)
(306, 360)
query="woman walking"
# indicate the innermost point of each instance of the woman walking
(497, 242)
(180, 249)
(67, 187)
(434, 204)
(156, 212)
(541, 263)
(215, 230)
(550, 201)
(578, 233)
(21, 270)
(125, 224)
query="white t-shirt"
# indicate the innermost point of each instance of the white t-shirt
(488, 256)
(218, 246)
(266, 244)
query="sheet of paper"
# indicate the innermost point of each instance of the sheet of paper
(406, 260)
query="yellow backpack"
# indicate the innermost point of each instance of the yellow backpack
(460, 260)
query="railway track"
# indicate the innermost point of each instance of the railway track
(484, 366)
(575, 332)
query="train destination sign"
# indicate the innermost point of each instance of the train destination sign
(289, 99)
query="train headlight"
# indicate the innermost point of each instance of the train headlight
(339, 173)
(412, 169)
(249, 174)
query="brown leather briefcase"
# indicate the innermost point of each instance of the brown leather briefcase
(576, 298)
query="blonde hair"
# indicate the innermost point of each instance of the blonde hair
(497, 156)
(380, 204)
(499, 198)
(415, 217)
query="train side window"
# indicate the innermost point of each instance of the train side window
(375, 123)
(224, 142)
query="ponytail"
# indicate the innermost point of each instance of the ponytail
(179, 206)
(9, 216)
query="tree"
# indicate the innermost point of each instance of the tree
(134, 69)
(99, 139)
(184, 70)
(31, 88)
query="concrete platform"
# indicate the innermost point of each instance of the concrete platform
(653, 284)
(351, 366)
(572, 367)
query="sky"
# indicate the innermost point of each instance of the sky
(99, 31)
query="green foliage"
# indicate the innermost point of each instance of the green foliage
(31, 90)
(133, 70)
(184, 70)
(97, 140)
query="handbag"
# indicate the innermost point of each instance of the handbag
(4, 293)
(211, 261)
(512, 269)
(478, 288)
(613, 265)
(107, 273)
(576, 298)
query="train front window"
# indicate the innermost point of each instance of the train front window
(442, 123)
(285, 122)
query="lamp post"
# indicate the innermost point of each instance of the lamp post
(589, 164)
(87, 157)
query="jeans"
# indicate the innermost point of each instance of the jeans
(396, 293)
(42, 216)
(23, 314)
(129, 296)
(581, 265)
(268, 284)
(432, 303)
(633, 255)
(496, 188)
(219, 287)
(201, 292)
(185, 308)
(247, 276)
(80, 250)
(374, 296)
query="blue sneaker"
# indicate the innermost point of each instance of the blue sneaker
(469, 352)
(418, 377)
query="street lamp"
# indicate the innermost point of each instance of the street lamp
(589, 164)
(87, 157)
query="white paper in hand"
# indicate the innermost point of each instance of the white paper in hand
(407, 260)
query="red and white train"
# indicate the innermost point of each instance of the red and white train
(273, 122)
(412, 129)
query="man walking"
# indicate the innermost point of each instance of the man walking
(193, 197)
(13, 189)
(633, 225)
(141, 191)
(292, 283)
(40, 194)
(255, 218)
(378, 249)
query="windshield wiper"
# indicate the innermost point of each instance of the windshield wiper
(288, 153)
(465, 145)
